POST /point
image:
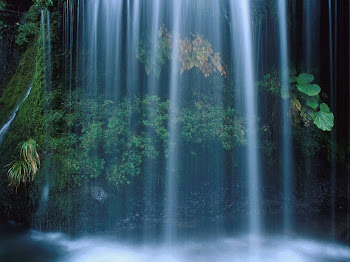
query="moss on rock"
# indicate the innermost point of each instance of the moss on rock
(19, 83)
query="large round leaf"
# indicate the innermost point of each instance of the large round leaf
(312, 102)
(324, 120)
(324, 108)
(304, 79)
(309, 89)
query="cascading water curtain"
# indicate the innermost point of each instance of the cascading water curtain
(120, 62)
(286, 141)
(348, 186)
(176, 130)
(151, 178)
(47, 80)
(243, 52)
(171, 189)
(332, 13)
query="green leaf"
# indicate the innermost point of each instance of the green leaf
(325, 108)
(309, 89)
(312, 102)
(324, 120)
(304, 79)
(112, 122)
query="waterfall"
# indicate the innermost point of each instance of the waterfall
(133, 25)
(152, 169)
(311, 33)
(286, 127)
(348, 167)
(311, 11)
(172, 162)
(308, 34)
(109, 38)
(244, 51)
(333, 95)
(47, 80)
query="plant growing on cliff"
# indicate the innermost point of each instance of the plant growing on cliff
(306, 99)
(194, 51)
(24, 169)
(43, 4)
(27, 31)
(310, 105)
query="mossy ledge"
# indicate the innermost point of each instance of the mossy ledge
(19, 83)
(27, 124)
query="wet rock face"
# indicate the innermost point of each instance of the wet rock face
(9, 60)
(5, 53)
(98, 194)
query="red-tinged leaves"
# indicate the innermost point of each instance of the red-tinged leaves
(194, 51)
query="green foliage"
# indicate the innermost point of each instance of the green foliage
(324, 119)
(115, 140)
(19, 84)
(29, 118)
(305, 99)
(155, 116)
(27, 31)
(233, 130)
(47, 127)
(19, 173)
(43, 4)
(304, 85)
(272, 83)
(304, 79)
(312, 102)
(2, 5)
(308, 101)
(205, 123)
(194, 51)
(30, 154)
(310, 90)
(24, 169)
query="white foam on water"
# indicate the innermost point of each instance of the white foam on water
(272, 249)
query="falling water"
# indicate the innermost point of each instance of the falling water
(132, 81)
(133, 18)
(46, 45)
(311, 42)
(100, 35)
(241, 15)
(7, 125)
(172, 162)
(153, 84)
(332, 62)
(155, 26)
(47, 64)
(90, 28)
(286, 128)
(308, 34)
(348, 167)
(311, 33)
(108, 35)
